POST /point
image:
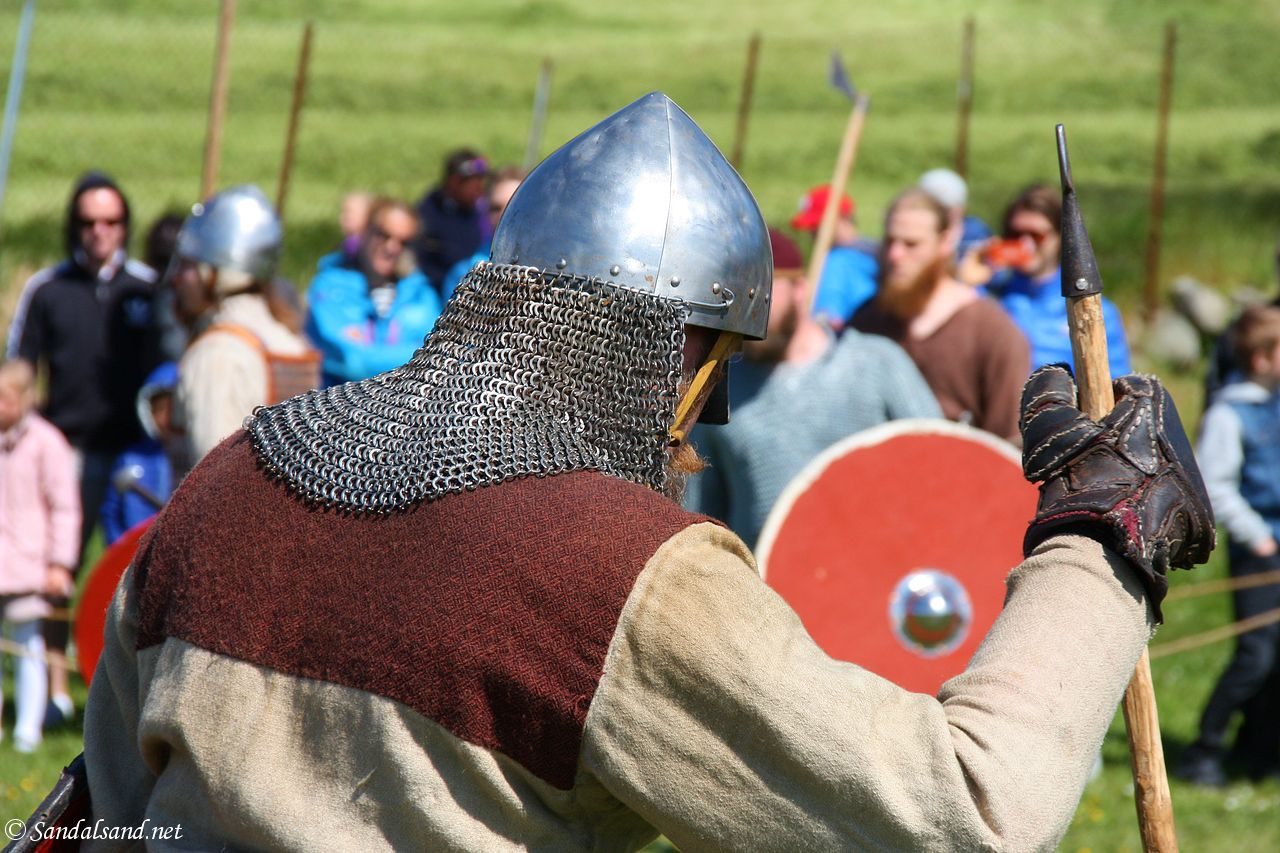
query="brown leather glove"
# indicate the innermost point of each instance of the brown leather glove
(1129, 481)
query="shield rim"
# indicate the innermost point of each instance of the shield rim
(870, 437)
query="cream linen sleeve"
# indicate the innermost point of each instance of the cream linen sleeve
(721, 723)
(119, 780)
(221, 380)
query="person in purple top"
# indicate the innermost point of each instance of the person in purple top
(505, 183)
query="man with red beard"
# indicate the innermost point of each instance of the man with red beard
(971, 354)
(795, 394)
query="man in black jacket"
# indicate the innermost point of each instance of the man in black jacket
(88, 323)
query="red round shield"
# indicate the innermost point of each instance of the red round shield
(95, 598)
(893, 546)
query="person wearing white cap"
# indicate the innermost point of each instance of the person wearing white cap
(953, 193)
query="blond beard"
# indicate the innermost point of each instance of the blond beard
(907, 299)
(683, 462)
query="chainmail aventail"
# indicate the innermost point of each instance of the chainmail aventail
(526, 372)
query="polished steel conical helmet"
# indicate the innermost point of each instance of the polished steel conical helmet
(646, 201)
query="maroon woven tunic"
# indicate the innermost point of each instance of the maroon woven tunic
(489, 612)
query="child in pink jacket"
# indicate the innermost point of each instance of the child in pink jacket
(39, 532)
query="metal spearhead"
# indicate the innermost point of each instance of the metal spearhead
(1080, 276)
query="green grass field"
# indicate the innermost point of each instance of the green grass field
(123, 86)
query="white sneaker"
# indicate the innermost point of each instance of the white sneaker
(65, 706)
(21, 744)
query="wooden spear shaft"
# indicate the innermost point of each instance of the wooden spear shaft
(295, 114)
(702, 384)
(964, 100)
(1093, 376)
(1155, 221)
(541, 97)
(744, 105)
(839, 179)
(217, 101)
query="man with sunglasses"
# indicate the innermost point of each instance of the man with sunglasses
(455, 221)
(89, 321)
(1031, 288)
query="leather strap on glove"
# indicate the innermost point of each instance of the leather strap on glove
(1129, 480)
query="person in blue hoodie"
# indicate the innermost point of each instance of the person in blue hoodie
(1031, 290)
(142, 476)
(369, 313)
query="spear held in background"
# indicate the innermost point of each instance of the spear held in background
(1155, 221)
(744, 104)
(217, 100)
(541, 97)
(844, 167)
(964, 100)
(295, 113)
(1082, 288)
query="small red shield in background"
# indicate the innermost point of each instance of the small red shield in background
(893, 546)
(95, 598)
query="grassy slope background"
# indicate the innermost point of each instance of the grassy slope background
(123, 86)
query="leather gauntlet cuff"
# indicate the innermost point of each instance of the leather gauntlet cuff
(1099, 530)
(1130, 480)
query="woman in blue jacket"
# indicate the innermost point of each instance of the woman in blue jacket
(369, 313)
(1031, 290)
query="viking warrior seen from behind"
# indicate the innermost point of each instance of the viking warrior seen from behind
(247, 349)
(450, 607)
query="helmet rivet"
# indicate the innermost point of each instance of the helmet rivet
(715, 287)
(615, 269)
(561, 264)
(767, 298)
(675, 281)
(751, 294)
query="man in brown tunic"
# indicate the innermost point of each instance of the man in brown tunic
(452, 607)
(971, 354)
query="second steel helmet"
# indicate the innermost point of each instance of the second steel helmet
(235, 231)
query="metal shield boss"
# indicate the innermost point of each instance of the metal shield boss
(893, 546)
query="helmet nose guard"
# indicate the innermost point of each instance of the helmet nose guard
(236, 230)
(646, 201)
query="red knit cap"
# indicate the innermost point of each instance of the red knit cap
(786, 255)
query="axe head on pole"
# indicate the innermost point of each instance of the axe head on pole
(839, 78)
(1080, 276)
